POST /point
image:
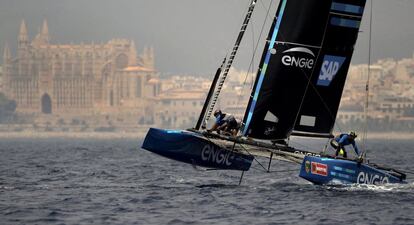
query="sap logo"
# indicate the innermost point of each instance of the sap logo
(300, 62)
(367, 178)
(330, 67)
(219, 156)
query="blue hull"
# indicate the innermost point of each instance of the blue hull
(193, 148)
(321, 170)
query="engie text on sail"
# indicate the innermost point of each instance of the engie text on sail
(299, 57)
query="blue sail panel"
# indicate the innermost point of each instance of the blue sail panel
(342, 22)
(347, 8)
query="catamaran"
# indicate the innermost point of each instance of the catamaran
(297, 92)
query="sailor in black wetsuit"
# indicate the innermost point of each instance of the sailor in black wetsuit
(225, 123)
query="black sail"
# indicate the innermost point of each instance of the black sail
(303, 68)
(322, 98)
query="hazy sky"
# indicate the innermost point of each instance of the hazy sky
(189, 36)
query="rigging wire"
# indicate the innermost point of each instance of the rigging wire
(253, 156)
(365, 132)
(258, 42)
(255, 47)
(324, 103)
(267, 15)
(230, 61)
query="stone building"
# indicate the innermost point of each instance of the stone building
(77, 79)
(179, 108)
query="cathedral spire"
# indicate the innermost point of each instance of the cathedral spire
(132, 58)
(44, 33)
(6, 54)
(23, 28)
(23, 38)
(45, 30)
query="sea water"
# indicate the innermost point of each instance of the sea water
(113, 181)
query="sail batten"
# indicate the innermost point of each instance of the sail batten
(298, 44)
(303, 68)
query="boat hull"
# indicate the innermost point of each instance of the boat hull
(195, 149)
(323, 170)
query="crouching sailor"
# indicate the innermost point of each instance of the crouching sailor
(225, 123)
(342, 140)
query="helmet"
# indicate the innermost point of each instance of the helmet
(217, 113)
(353, 134)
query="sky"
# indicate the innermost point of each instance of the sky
(190, 36)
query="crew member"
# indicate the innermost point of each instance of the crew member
(225, 123)
(342, 140)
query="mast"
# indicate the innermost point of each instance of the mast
(201, 122)
(220, 80)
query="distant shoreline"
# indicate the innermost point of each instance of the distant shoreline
(393, 135)
(80, 135)
(141, 134)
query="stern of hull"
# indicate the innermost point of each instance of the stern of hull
(322, 170)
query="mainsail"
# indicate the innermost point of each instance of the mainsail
(303, 68)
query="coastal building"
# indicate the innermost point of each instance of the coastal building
(233, 101)
(349, 115)
(179, 108)
(46, 78)
(182, 97)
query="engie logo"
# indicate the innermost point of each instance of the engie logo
(216, 155)
(330, 67)
(366, 178)
(297, 61)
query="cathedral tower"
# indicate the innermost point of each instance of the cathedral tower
(148, 57)
(132, 58)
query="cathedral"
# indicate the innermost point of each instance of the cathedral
(82, 79)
